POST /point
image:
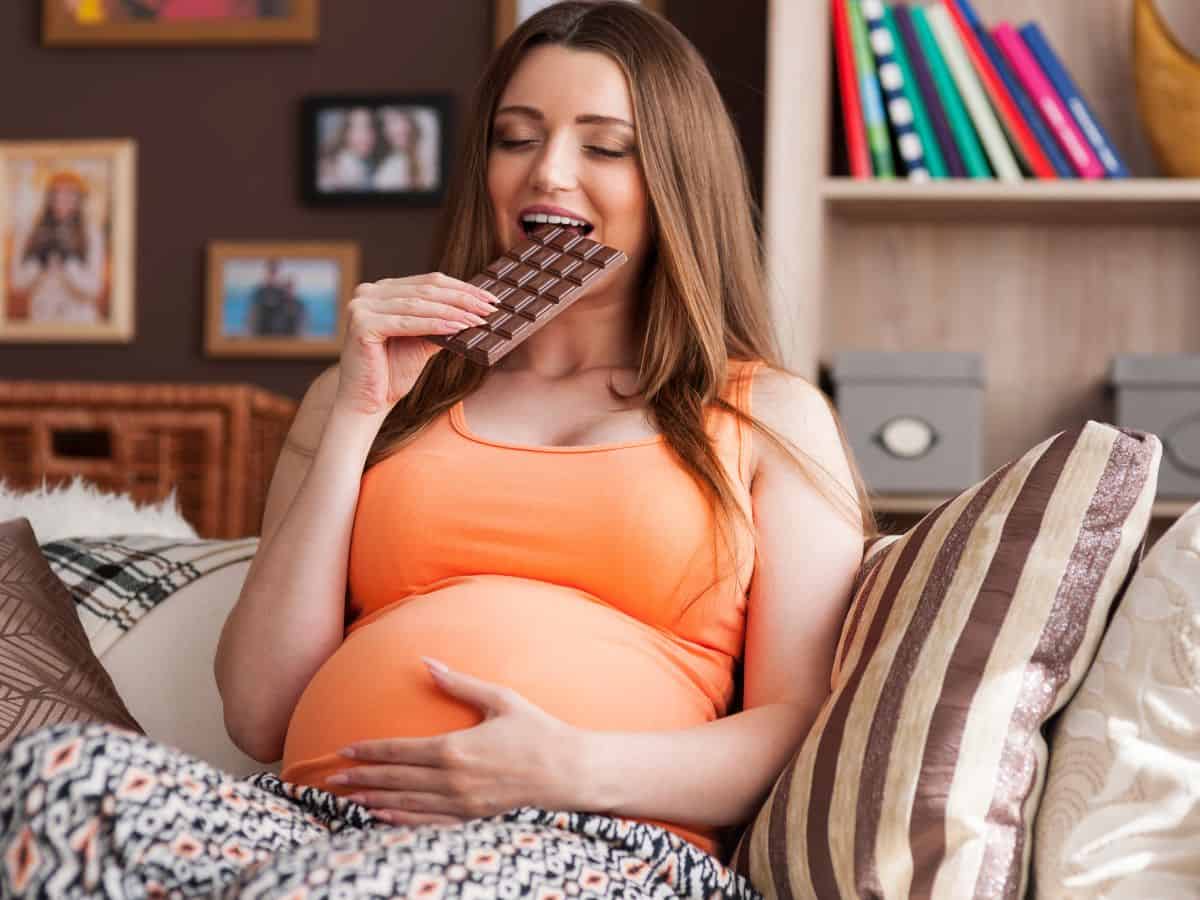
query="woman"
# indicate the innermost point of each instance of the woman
(345, 163)
(569, 536)
(400, 167)
(59, 260)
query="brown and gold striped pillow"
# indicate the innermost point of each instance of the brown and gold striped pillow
(922, 773)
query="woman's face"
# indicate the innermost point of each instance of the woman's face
(64, 201)
(563, 136)
(397, 128)
(360, 133)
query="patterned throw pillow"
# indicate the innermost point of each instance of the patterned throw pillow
(1121, 813)
(922, 772)
(117, 580)
(48, 671)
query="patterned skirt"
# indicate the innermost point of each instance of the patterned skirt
(90, 810)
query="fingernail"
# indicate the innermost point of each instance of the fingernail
(347, 751)
(435, 666)
(339, 778)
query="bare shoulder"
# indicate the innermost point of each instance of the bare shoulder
(315, 406)
(801, 413)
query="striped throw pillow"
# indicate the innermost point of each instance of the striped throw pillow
(923, 770)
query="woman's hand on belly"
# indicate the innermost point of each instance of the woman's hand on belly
(519, 755)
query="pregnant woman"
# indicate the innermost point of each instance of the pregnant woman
(546, 629)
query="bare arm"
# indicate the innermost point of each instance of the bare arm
(290, 616)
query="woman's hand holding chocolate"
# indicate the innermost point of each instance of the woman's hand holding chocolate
(388, 320)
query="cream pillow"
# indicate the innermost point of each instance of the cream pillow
(163, 668)
(1120, 817)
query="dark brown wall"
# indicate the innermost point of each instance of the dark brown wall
(217, 152)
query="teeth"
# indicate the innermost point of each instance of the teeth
(553, 220)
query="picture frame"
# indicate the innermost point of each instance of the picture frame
(509, 14)
(67, 241)
(142, 23)
(375, 149)
(278, 299)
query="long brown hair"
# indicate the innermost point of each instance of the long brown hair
(703, 295)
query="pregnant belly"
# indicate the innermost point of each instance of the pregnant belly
(581, 661)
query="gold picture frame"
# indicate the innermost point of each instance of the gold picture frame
(63, 27)
(67, 242)
(293, 309)
(508, 15)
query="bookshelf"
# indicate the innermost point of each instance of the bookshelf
(1047, 279)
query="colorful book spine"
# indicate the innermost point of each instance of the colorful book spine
(1066, 132)
(986, 125)
(938, 120)
(933, 154)
(909, 146)
(960, 122)
(878, 137)
(1061, 79)
(1029, 112)
(852, 115)
(1019, 135)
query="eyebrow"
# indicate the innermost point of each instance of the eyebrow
(591, 119)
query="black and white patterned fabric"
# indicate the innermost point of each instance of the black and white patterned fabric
(117, 580)
(92, 810)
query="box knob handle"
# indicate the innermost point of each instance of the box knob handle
(1180, 436)
(907, 437)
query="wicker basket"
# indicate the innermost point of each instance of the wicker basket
(1167, 78)
(216, 445)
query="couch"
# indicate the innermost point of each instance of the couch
(1119, 810)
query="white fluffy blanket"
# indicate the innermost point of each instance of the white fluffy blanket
(81, 509)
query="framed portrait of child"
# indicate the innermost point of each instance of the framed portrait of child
(67, 241)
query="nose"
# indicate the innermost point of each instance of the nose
(554, 166)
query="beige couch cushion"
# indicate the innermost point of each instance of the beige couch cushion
(163, 668)
(1120, 817)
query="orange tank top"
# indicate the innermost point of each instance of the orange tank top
(590, 579)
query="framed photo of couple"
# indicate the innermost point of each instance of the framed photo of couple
(511, 13)
(67, 241)
(391, 149)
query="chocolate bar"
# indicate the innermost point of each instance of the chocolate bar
(533, 282)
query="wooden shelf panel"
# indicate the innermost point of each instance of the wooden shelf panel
(919, 505)
(1145, 200)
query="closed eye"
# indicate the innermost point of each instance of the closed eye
(602, 151)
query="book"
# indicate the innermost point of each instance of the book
(909, 146)
(971, 91)
(912, 90)
(1057, 73)
(1065, 131)
(960, 122)
(852, 116)
(878, 137)
(1028, 110)
(938, 120)
(1019, 135)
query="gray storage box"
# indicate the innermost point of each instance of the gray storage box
(914, 420)
(1160, 393)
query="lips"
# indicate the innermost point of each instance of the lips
(551, 212)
